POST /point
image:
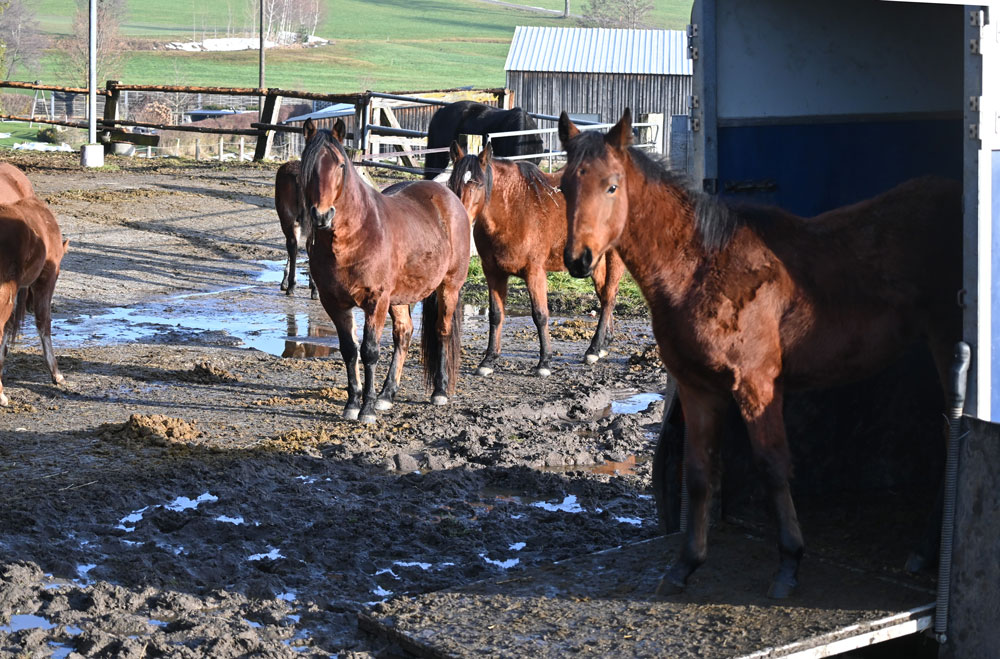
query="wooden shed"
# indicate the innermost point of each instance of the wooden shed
(597, 71)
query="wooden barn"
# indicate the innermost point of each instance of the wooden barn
(596, 71)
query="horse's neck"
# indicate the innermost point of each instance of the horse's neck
(658, 243)
(358, 222)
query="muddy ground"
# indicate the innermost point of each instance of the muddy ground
(191, 490)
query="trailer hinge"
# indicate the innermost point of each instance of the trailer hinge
(973, 104)
(973, 131)
(692, 30)
(974, 47)
(976, 18)
(695, 124)
(692, 52)
(694, 102)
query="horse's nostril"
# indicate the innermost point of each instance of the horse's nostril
(579, 266)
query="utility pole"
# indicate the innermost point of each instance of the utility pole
(260, 84)
(92, 153)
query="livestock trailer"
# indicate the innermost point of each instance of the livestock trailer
(814, 105)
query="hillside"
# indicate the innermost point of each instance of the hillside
(385, 45)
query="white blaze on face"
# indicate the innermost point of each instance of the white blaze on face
(466, 178)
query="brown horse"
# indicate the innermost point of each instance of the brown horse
(295, 224)
(520, 230)
(31, 250)
(383, 252)
(748, 303)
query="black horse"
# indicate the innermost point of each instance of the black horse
(471, 118)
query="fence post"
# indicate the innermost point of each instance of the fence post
(149, 152)
(361, 117)
(220, 147)
(177, 149)
(197, 148)
(242, 147)
(111, 105)
(272, 105)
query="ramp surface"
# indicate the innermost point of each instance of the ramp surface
(606, 604)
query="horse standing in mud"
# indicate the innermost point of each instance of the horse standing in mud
(747, 303)
(382, 252)
(471, 118)
(31, 251)
(520, 230)
(295, 223)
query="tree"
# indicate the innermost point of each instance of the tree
(110, 46)
(284, 19)
(566, 10)
(629, 14)
(21, 42)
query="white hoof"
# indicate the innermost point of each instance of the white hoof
(4, 401)
(351, 413)
(484, 371)
(439, 400)
(382, 405)
(368, 418)
(543, 372)
(602, 353)
(59, 379)
(591, 358)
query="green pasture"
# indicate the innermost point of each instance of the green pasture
(385, 45)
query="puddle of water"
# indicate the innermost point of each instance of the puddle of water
(237, 521)
(184, 503)
(26, 621)
(274, 271)
(503, 565)
(635, 403)
(567, 505)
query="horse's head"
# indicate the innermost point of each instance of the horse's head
(325, 169)
(471, 178)
(595, 187)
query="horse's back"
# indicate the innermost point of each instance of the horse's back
(29, 238)
(14, 185)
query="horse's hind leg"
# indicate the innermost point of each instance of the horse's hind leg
(607, 275)
(292, 247)
(41, 305)
(704, 414)
(497, 284)
(537, 289)
(402, 332)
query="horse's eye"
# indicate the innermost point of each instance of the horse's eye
(612, 189)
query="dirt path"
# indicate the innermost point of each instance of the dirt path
(191, 492)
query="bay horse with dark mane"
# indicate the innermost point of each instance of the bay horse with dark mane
(471, 118)
(520, 230)
(295, 223)
(31, 251)
(748, 303)
(383, 252)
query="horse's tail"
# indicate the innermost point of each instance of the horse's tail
(16, 319)
(430, 343)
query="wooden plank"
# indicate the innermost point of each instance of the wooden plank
(142, 139)
(272, 106)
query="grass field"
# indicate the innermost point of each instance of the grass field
(384, 45)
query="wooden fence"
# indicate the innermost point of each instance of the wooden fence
(374, 122)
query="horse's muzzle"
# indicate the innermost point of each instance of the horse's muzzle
(322, 220)
(579, 266)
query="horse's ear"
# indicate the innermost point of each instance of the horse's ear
(65, 245)
(486, 154)
(340, 130)
(620, 135)
(309, 129)
(567, 129)
(456, 151)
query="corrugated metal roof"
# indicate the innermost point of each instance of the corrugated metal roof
(598, 50)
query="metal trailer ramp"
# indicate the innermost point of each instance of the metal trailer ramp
(605, 605)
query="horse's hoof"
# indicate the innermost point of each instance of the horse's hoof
(368, 418)
(671, 583)
(591, 358)
(314, 295)
(382, 405)
(58, 378)
(916, 563)
(484, 371)
(439, 399)
(351, 413)
(4, 401)
(782, 588)
(543, 372)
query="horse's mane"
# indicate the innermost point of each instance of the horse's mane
(714, 221)
(312, 151)
(470, 164)
(535, 178)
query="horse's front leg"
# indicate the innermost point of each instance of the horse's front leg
(402, 332)
(497, 284)
(537, 285)
(343, 320)
(606, 276)
(704, 414)
(8, 293)
(310, 238)
(761, 408)
(374, 322)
